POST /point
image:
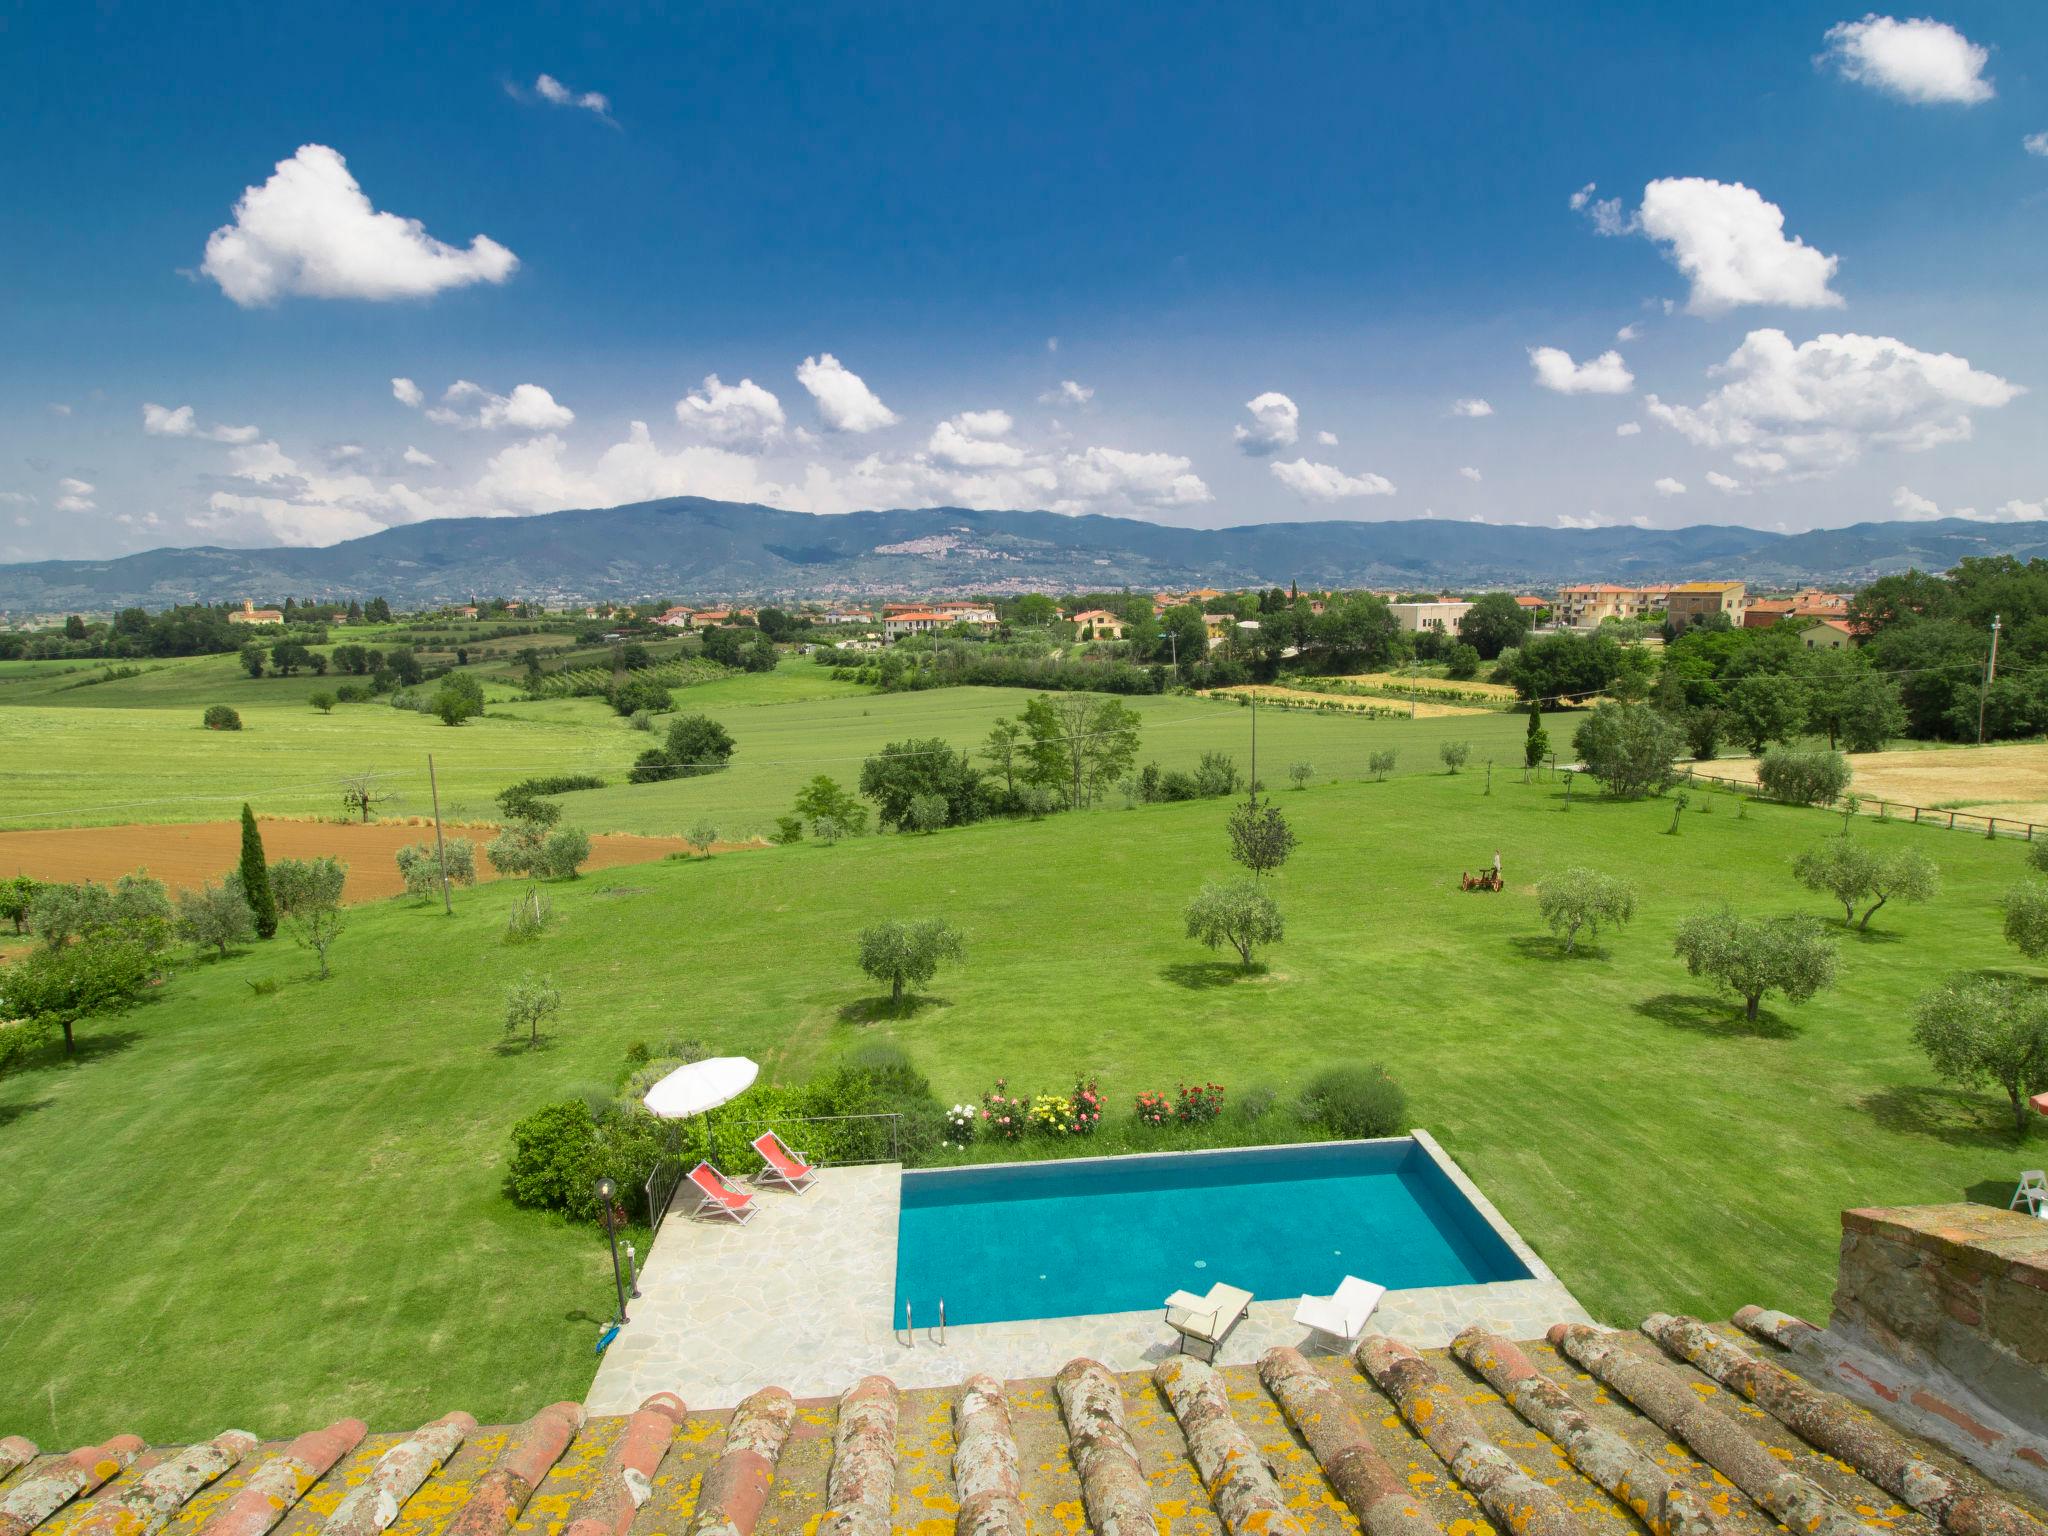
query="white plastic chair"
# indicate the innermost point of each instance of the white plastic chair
(1343, 1315)
(2033, 1191)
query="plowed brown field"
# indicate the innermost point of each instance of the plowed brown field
(190, 854)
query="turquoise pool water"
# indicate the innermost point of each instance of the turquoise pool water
(1116, 1234)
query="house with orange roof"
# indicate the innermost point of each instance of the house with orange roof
(1099, 624)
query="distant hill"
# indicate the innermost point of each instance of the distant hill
(686, 547)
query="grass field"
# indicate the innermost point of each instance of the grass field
(259, 1210)
(133, 749)
(2009, 781)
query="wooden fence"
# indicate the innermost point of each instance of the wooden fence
(1922, 815)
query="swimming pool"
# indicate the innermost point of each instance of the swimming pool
(1116, 1234)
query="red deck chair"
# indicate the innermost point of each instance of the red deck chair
(780, 1165)
(719, 1196)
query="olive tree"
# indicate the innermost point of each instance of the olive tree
(1381, 763)
(1454, 754)
(215, 914)
(530, 1003)
(1239, 914)
(907, 954)
(419, 865)
(1260, 838)
(1584, 898)
(2026, 918)
(1978, 1031)
(308, 894)
(702, 834)
(1753, 957)
(1803, 778)
(1851, 872)
(1628, 748)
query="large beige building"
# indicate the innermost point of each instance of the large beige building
(1696, 600)
(1589, 606)
(1416, 617)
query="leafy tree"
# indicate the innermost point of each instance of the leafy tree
(1765, 707)
(1353, 633)
(927, 813)
(1080, 743)
(1454, 754)
(219, 717)
(308, 893)
(698, 744)
(1536, 744)
(1300, 774)
(530, 1003)
(1260, 838)
(135, 908)
(1633, 674)
(1584, 898)
(759, 656)
(702, 834)
(825, 797)
(1494, 623)
(1870, 714)
(377, 611)
(253, 873)
(1703, 732)
(907, 954)
(1239, 914)
(17, 895)
(288, 656)
(788, 830)
(419, 865)
(101, 973)
(1852, 872)
(1803, 778)
(2026, 918)
(353, 659)
(363, 792)
(1977, 1031)
(460, 697)
(322, 701)
(903, 770)
(1628, 748)
(1753, 957)
(251, 657)
(1382, 763)
(1216, 775)
(1566, 665)
(1183, 637)
(1002, 751)
(215, 914)
(1461, 662)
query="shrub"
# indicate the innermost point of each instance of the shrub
(564, 853)
(1382, 763)
(702, 834)
(420, 867)
(219, 717)
(642, 695)
(1355, 1102)
(351, 693)
(1004, 1116)
(960, 1125)
(525, 800)
(1803, 778)
(1198, 1103)
(788, 829)
(1051, 1114)
(460, 697)
(1301, 773)
(554, 1157)
(2026, 918)
(1152, 1108)
(322, 701)
(1216, 775)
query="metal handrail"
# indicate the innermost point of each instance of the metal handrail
(909, 1336)
(668, 1173)
(942, 1322)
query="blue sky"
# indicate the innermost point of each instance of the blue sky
(1207, 264)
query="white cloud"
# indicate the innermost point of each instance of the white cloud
(1069, 392)
(405, 392)
(1471, 474)
(1922, 60)
(1731, 243)
(737, 415)
(1909, 503)
(418, 459)
(16, 499)
(1727, 485)
(529, 408)
(1325, 482)
(1327, 439)
(2017, 511)
(1664, 485)
(1606, 374)
(2035, 143)
(551, 90)
(161, 421)
(1116, 475)
(844, 399)
(310, 231)
(1628, 333)
(1276, 424)
(1472, 408)
(974, 440)
(60, 408)
(1590, 520)
(1605, 212)
(1818, 406)
(1628, 429)
(76, 497)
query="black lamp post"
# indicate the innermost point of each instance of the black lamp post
(607, 1192)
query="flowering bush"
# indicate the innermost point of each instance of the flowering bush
(1003, 1117)
(1052, 1114)
(959, 1125)
(1199, 1103)
(1087, 1102)
(1152, 1108)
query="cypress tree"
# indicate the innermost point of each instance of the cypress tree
(1537, 744)
(255, 870)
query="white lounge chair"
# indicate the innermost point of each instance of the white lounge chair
(1207, 1319)
(1341, 1316)
(2032, 1192)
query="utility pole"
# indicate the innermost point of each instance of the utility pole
(441, 848)
(1990, 676)
(1255, 744)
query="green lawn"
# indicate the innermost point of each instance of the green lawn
(260, 1210)
(133, 749)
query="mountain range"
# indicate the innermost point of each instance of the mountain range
(690, 548)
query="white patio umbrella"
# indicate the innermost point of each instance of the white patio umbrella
(700, 1087)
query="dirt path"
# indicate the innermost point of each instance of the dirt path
(192, 853)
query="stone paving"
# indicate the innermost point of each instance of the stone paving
(800, 1298)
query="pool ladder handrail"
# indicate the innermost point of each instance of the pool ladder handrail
(908, 1338)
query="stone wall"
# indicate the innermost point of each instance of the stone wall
(1956, 1290)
